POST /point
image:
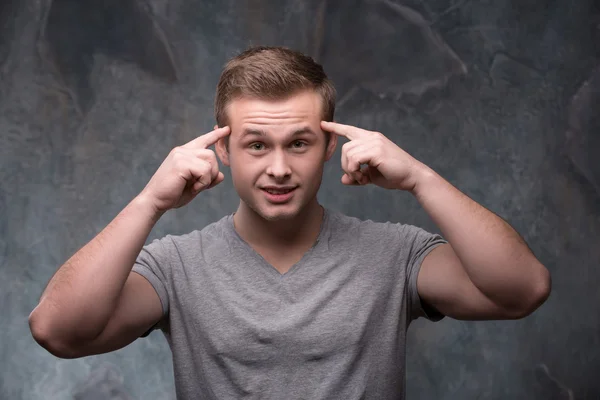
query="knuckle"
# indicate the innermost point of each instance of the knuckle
(206, 154)
(177, 155)
(206, 168)
(177, 150)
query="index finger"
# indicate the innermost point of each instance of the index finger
(348, 131)
(208, 139)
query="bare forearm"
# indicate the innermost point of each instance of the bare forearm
(82, 295)
(496, 258)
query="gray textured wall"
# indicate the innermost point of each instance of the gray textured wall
(500, 97)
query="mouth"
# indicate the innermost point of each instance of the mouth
(278, 194)
(272, 190)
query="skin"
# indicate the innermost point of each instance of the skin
(94, 303)
(487, 271)
(277, 143)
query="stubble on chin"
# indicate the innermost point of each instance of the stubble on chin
(272, 217)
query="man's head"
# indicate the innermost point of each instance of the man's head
(274, 99)
(272, 73)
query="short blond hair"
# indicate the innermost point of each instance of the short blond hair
(272, 73)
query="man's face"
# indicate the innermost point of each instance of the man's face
(276, 153)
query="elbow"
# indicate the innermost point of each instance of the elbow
(538, 293)
(50, 342)
(540, 289)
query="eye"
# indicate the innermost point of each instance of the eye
(257, 146)
(298, 144)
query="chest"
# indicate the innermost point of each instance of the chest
(317, 311)
(281, 261)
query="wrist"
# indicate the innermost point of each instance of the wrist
(143, 204)
(423, 176)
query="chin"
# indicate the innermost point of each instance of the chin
(277, 213)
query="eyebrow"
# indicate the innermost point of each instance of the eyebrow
(259, 132)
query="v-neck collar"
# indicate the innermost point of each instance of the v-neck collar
(268, 265)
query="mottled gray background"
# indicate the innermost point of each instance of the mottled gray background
(500, 97)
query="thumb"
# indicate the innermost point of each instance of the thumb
(348, 180)
(217, 180)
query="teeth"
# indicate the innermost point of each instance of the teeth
(278, 191)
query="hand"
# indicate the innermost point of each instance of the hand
(187, 170)
(387, 165)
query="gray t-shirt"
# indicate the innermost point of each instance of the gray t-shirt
(332, 327)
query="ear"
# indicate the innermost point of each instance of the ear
(221, 149)
(331, 146)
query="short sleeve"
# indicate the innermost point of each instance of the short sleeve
(420, 243)
(153, 264)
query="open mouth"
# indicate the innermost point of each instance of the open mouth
(282, 195)
(278, 191)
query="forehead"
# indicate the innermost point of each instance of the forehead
(301, 108)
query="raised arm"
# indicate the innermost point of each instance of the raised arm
(486, 271)
(94, 303)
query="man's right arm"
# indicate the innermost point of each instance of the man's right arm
(94, 303)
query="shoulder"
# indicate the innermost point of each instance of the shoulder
(180, 252)
(212, 232)
(342, 224)
(353, 235)
(376, 233)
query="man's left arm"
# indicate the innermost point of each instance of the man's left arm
(486, 271)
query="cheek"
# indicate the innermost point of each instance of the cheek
(244, 168)
(310, 167)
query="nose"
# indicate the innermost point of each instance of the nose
(279, 167)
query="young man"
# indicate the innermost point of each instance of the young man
(285, 299)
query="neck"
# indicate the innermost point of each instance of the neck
(302, 229)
